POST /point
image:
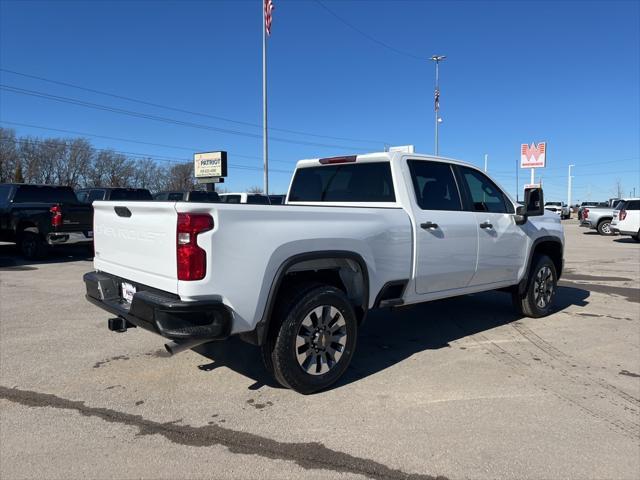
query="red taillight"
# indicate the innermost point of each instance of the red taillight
(622, 215)
(585, 213)
(191, 259)
(56, 216)
(330, 160)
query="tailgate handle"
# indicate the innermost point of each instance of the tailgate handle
(122, 211)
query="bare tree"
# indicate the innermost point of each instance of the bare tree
(180, 177)
(255, 189)
(147, 174)
(74, 166)
(111, 169)
(75, 162)
(18, 177)
(8, 154)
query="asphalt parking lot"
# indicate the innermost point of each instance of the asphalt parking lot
(461, 388)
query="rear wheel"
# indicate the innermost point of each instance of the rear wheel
(32, 246)
(637, 237)
(604, 227)
(315, 341)
(537, 300)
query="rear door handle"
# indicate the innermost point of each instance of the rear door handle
(429, 225)
(486, 224)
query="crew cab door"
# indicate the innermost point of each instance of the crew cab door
(446, 236)
(501, 242)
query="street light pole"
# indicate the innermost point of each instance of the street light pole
(569, 187)
(437, 59)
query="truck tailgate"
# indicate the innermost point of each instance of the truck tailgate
(137, 241)
(75, 217)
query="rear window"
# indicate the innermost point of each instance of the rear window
(258, 200)
(353, 182)
(198, 196)
(175, 196)
(230, 198)
(126, 194)
(44, 194)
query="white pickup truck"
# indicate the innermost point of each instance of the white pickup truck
(357, 233)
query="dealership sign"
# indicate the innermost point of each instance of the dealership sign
(533, 156)
(210, 164)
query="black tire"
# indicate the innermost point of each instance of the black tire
(542, 282)
(604, 227)
(637, 237)
(32, 246)
(285, 303)
(330, 324)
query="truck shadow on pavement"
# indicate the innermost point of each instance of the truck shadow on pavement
(12, 260)
(389, 337)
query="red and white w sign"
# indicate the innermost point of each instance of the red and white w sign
(532, 156)
(268, 9)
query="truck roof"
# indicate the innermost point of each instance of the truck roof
(380, 157)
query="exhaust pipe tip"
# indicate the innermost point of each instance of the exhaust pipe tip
(173, 348)
(169, 347)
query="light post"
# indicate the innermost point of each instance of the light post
(437, 59)
(569, 188)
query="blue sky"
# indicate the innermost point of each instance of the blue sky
(564, 72)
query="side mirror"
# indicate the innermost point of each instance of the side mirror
(521, 215)
(533, 202)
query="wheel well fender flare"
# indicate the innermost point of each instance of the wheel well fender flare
(547, 239)
(262, 327)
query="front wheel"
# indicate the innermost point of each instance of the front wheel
(542, 284)
(316, 340)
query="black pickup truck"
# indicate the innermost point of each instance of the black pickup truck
(37, 217)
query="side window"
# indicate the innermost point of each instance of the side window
(95, 195)
(434, 185)
(82, 196)
(632, 205)
(485, 195)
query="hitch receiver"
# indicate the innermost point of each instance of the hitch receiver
(119, 324)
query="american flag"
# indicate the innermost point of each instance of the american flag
(268, 8)
(437, 99)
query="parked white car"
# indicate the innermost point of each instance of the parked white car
(559, 208)
(251, 198)
(357, 233)
(626, 218)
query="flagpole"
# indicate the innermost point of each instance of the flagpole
(265, 144)
(436, 100)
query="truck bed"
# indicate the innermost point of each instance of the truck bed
(249, 243)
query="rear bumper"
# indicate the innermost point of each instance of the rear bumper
(160, 312)
(68, 238)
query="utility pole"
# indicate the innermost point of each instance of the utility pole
(436, 104)
(569, 187)
(486, 162)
